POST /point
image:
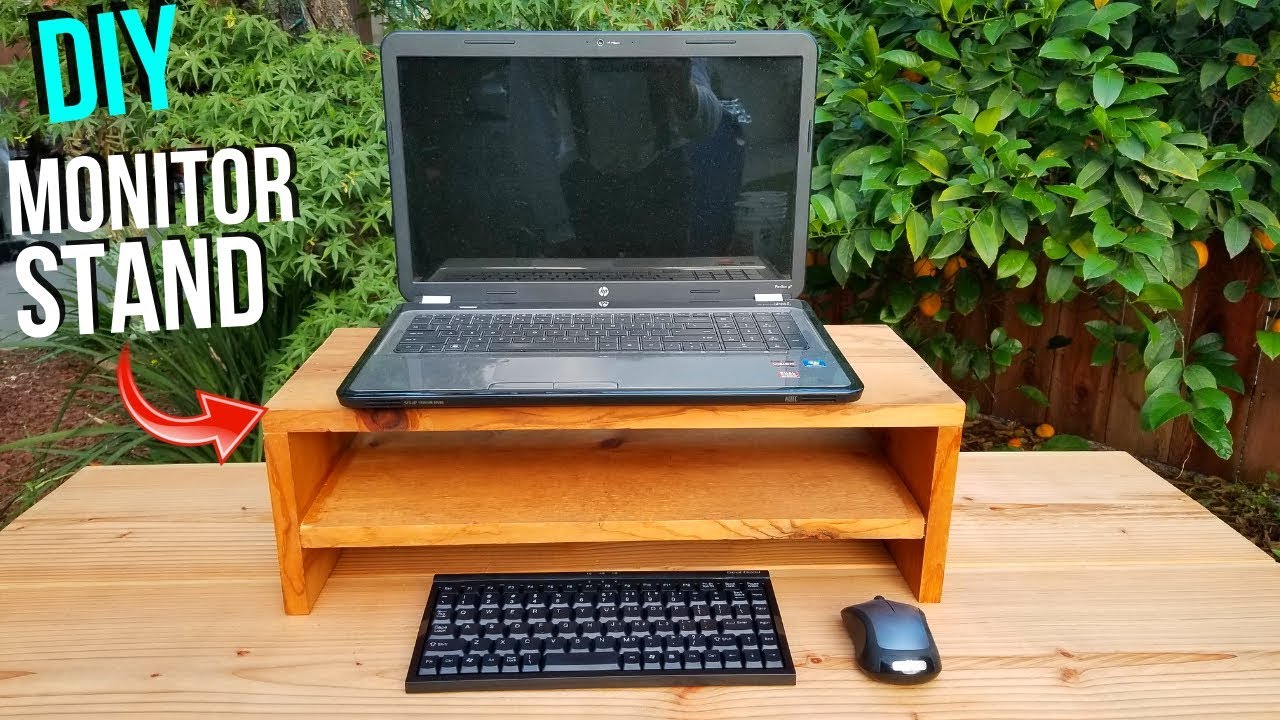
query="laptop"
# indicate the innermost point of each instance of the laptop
(599, 218)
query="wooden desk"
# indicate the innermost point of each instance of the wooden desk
(1080, 586)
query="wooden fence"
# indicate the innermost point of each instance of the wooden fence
(1102, 403)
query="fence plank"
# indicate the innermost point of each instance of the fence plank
(1080, 394)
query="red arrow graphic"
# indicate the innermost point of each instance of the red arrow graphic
(225, 422)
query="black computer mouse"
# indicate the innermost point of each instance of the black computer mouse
(892, 642)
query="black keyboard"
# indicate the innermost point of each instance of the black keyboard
(594, 332)
(626, 629)
(725, 273)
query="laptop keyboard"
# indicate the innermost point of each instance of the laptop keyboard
(611, 332)
(597, 275)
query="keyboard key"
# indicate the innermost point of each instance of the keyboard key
(444, 647)
(772, 658)
(449, 664)
(530, 662)
(582, 662)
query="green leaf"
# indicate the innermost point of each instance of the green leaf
(1269, 343)
(902, 58)
(1212, 429)
(1065, 442)
(1161, 408)
(1161, 296)
(1132, 148)
(856, 162)
(1168, 158)
(1211, 397)
(1014, 220)
(1011, 262)
(1034, 395)
(1155, 61)
(933, 161)
(1165, 375)
(983, 235)
(885, 111)
(1091, 173)
(1235, 235)
(917, 233)
(1112, 12)
(958, 191)
(1065, 49)
(1260, 212)
(1238, 74)
(1197, 377)
(1031, 314)
(1071, 95)
(1058, 282)
(1107, 84)
(986, 121)
(823, 208)
(937, 43)
(949, 245)
(1130, 189)
(1260, 120)
(1211, 72)
(1140, 90)
(1097, 265)
(1235, 290)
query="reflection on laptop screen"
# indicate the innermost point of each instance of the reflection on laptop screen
(548, 168)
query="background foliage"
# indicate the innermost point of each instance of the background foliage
(966, 148)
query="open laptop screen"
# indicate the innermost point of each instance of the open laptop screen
(549, 168)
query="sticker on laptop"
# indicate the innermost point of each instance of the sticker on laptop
(788, 374)
(814, 363)
(783, 363)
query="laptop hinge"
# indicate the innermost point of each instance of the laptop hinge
(435, 299)
(769, 297)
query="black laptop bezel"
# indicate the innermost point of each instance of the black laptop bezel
(598, 45)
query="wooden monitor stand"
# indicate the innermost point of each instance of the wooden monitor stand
(882, 468)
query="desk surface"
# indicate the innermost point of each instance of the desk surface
(1080, 586)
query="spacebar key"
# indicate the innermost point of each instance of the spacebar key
(580, 662)
(542, 347)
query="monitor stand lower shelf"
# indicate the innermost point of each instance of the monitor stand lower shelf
(871, 470)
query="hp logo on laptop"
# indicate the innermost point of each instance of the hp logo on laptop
(603, 291)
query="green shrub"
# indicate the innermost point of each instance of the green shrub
(1083, 149)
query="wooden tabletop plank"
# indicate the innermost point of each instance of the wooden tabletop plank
(902, 391)
(151, 592)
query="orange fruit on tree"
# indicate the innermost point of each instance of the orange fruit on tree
(1246, 59)
(912, 76)
(1099, 4)
(930, 304)
(1015, 442)
(1091, 142)
(923, 267)
(953, 266)
(1275, 325)
(1264, 240)
(1202, 252)
(1045, 431)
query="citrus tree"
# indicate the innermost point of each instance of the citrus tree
(973, 147)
